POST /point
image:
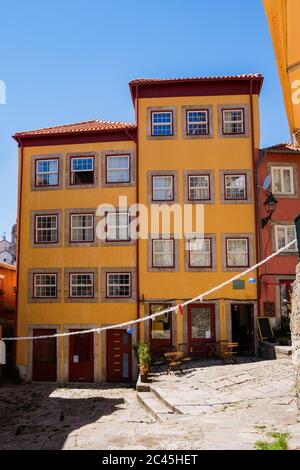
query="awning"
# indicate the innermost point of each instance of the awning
(284, 23)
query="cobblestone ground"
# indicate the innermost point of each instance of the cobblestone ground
(223, 407)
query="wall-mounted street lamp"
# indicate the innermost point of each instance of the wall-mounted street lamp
(270, 207)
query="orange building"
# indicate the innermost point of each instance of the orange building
(8, 312)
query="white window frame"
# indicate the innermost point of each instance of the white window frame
(208, 252)
(127, 169)
(282, 169)
(237, 253)
(160, 124)
(286, 228)
(128, 284)
(43, 229)
(230, 121)
(166, 188)
(72, 171)
(228, 187)
(82, 228)
(46, 173)
(88, 285)
(207, 177)
(168, 253)
(117, 226)
(206, 122)
(40, 285)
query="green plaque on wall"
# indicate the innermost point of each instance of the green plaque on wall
(238, 284)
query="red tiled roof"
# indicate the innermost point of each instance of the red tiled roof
(78, 127)
(149, 81)
(283, 147)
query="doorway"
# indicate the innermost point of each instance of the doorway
(201, 328)
(119, 356)
(81, 357)
(44, 358)
(160, 330)
(242, 321)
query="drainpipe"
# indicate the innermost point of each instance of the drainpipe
(256, 188)
(137, 202)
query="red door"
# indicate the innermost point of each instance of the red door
(119, 356)
(201, 328)
(44, 360)
(160, 330)
(81, 358)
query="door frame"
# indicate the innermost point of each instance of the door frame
(171, 319)
(37, 326)
(103, 339)
(213, 323)
(81, 326)
(228, 306)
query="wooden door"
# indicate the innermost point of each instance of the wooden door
(119, 356)
(44, 358)
(160, 330)
(201, 328)
(81, 358)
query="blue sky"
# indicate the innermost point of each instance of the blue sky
(71, 60)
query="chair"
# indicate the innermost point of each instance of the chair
(227, 350)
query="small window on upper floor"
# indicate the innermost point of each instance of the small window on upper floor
(235, 187)
(198, 187)
(237, 252)
(82, 228)
(117, 169)
(233, 121)
(197, 122)
(44, 285)
(283, 180)
(47, 172)
(46, 229)
(82, 170)
(285, 234)
(163, 188)
(161, 123)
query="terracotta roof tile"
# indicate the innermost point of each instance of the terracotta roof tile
(283, 147)
(149, 81)
(78, 127)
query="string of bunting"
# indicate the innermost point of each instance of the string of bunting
(177, 308)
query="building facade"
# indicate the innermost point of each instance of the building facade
(282, 163)
(195, 141)
(8, 313)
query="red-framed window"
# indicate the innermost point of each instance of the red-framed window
(163, 253)
(46, 229)
(81, 285)
(82, 170)
(117, 226)
(233, 121)
(46, 172)
(163, 187)
(44, 285)
(199, 187)
(235, 187)
(117, 169)
(118, 285)
(161, 123)
(197, 122)
(82, 228)
(237, 252)
(200, 253)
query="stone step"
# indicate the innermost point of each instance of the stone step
(154, 405)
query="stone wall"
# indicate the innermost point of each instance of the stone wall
(295, 330)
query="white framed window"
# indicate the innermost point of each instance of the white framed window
(161, 123)
(197, 122)
(82, 170)
(199, 187)
(237, 252)
(46, 228)
(200, 253)
(44, 286)
(285, 234)
(163, 253)
(235, 187)
(233, 121)
(46, 172)
(82, 227)
(117, 226)
(282, 180)
(118, 285)
(117, 169)
(163, 188)
(82, 285)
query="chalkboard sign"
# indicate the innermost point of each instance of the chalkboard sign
(265, 328)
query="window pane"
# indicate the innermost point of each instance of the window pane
(201, 322)
(199, 187)
(287, 183)
(235, 186)
(237, 252)
(200, 255)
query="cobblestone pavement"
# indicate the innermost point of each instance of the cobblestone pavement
(223, 407)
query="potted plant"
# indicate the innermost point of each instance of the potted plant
(143, 355)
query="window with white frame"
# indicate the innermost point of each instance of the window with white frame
(237, 251)
(285, 234)
(200, 253)
(199, 187)
(46, 228)
(233, 121)
(162, 253)
(117, 169)
(82, 285)
(45, 286)
(82, 227)
(117, 226)
(118, 285)
(162, 123)
(46, 172)
(282, 180)
(197, 122)
(163, 188)
(82, 170)
(235, 187)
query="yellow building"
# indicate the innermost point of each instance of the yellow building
(194, 142)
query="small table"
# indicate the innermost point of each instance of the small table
(174, 359)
